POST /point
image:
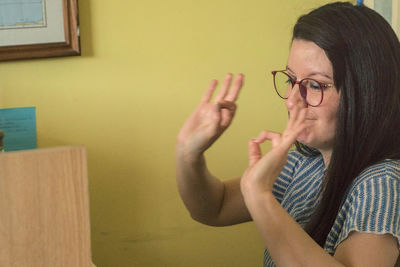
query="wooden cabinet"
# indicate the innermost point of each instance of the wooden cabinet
(44, 208)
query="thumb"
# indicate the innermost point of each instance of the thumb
(254, 152)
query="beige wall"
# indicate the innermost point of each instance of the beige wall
(144, 67)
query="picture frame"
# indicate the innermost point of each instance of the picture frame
(54, 34)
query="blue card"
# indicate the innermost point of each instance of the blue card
(19, 126)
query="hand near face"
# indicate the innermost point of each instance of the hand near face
(211, 118)
(263, 171)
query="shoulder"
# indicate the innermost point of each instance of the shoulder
(372, 204)
(373, 199)
(295, 156)
(297, 164)
(387, 167)
(298, 160)
(376, 184)
(385, 172)
(304, 165)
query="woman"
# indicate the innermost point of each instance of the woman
(335, 200)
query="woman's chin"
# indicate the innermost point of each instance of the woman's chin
(303, 138)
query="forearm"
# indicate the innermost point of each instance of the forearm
(286, 241)
(200, 191)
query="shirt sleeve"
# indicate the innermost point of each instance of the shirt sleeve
(373, 204)
(286, 175)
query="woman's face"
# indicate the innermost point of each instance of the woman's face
(307, 60)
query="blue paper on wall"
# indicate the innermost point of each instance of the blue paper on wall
(19, 126)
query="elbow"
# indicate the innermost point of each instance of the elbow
(206, 220)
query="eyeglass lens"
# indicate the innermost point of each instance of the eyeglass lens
(310, 90)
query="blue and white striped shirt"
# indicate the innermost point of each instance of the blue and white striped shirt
(372, 203)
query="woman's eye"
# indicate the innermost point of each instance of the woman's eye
(291, 80)
(314, 85)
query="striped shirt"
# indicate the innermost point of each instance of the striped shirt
(371, 205)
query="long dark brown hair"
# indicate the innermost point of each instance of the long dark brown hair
(365, 56)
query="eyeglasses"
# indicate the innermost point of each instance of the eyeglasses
(311, 90)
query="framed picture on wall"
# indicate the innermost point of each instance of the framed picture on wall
(389, 9)
(38, 29)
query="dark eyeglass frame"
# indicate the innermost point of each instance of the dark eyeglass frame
(302, 88)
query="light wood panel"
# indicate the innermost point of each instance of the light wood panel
(44, 208)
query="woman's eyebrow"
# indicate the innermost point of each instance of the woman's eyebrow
(312, 73)
(291, 72)
(320, 73)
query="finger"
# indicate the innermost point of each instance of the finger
(234, 91)
(227, 110)
(292, 117)
(297, 118)
(299, 123)
(291, 133)
(284, 140)
(223, 104)
(301, 118)
(208, 94)
(226, 118)
(254, 152)
(224, 88)
(288, 139)
(267, 135)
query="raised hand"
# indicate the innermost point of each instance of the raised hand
(264, 170)
(211, 118)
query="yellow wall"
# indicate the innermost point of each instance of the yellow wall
(144, 67)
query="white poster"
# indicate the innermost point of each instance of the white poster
(31, 22)
(389, 9)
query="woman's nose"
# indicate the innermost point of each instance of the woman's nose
(295, 98)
